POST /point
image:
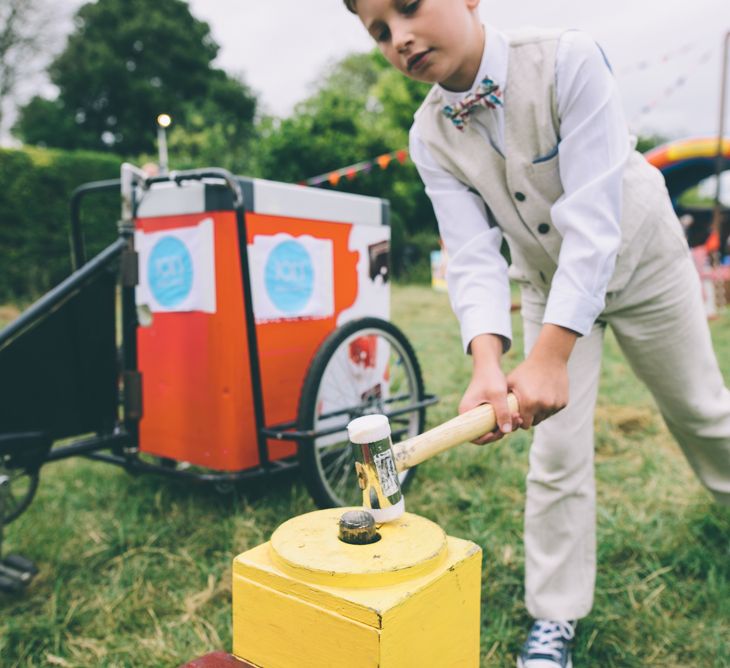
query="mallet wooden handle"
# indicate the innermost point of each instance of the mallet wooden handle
(465, 427)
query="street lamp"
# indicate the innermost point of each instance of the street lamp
(163, 122)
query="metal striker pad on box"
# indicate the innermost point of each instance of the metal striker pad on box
(306, 598)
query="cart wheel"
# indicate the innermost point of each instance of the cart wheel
(19, 493)
(366, 366)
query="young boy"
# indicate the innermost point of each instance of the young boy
(523, 138)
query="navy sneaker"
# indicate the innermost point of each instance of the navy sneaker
(547, 645)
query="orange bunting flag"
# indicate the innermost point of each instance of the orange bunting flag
(351, 171)
(712, 245)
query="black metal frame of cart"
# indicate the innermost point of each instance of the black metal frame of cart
(65, 375)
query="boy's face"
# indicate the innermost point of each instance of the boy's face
(436, 41)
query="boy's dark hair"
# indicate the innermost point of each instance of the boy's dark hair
(350, 4)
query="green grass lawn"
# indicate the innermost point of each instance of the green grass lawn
(135, 571)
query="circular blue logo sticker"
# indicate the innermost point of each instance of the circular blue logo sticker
(170, 271)
(289, 277)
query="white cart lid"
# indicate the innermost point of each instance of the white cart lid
(263, 197)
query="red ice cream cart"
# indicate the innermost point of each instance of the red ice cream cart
(233, 330)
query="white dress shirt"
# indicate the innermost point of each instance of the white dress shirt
(593, 150)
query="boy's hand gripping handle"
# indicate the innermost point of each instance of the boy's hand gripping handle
(465, 427)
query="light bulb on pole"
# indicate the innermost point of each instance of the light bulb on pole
(163, 122)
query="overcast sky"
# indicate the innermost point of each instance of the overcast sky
(280, 47)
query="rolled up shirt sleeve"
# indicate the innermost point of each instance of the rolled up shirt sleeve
(476, 272)
(593, 150)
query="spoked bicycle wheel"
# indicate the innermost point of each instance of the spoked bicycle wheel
(366, 366)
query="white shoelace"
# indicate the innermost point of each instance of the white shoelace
(549, 637)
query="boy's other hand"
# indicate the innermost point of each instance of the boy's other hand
(541, 388)
(540, 383)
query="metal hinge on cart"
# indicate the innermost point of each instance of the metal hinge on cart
(129, 268)
(132, 395)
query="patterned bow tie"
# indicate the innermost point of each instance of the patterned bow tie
(487, 94)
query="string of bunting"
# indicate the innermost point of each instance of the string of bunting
(680, 81)
(351, 171)
(646, 64)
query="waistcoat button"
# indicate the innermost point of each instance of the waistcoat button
(520, 197)
(543, 228)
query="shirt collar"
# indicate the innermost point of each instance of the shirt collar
(493, 65)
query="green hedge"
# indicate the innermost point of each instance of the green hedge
(35, 189)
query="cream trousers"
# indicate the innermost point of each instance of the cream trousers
(660, 324)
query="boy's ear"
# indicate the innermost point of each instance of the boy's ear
(472, 4)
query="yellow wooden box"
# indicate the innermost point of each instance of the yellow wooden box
(306, 599)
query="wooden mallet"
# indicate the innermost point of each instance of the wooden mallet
(378, 461)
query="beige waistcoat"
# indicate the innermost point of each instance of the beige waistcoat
(520, 187)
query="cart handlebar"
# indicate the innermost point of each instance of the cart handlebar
(199, 174)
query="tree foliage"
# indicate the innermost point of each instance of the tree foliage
(26, 34)
(126, 62)
(217, 131)
(34, 221)
(647, 142)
